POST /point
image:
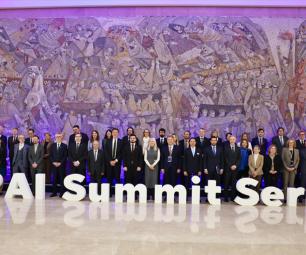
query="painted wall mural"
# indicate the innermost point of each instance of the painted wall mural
(227, 73)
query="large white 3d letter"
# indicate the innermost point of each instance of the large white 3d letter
(69, 183)
(19, 186)
(93, 192)
(271, 196)
(169, 190)
(130, 190)
(253, 196)
(212, 189)
(293, 194)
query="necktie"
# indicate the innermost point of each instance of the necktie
(77, 146)
(260, 141)
(58, 146)
(35, 149)
(214, 150)
(170, 150)
(96, 155)
(282, 140)
(192, 152)
(233, 148)
(133, 147)
(201, 140)
(162, 141)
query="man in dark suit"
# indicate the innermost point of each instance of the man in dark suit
(77, 155)
(58, 159)
(184, 145)
(76, 130)
(12, 140)
(261, 141)
(113, 157)
(96, 164)
(227, 137)
(132, 161)
(170, 161)
(213, 163)
(20, 160)
(231, 163)
(29, 139)
(280, 141)
(162, 140)
(35, 156)
(193, 163)
(300, 142)
(126, 139)
(201, 140)
(3, 138)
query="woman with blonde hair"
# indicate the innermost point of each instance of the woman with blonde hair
(272, 166)
(256, 161)
(291, 159)
(175, 139)
(146, 135)
(151, 159)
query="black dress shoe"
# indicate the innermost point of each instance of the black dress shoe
(53, 195)
(60, 195)
(226, 199)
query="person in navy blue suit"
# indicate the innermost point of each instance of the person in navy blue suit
(213, 162)
(58, 159)
(261, 141)
(170, 161)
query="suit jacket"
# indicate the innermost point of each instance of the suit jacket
(277, 161)
(47, 155)
(286, 157)
(299, 145)
(11, 145)
(211, 161)
(202, 145)
(96, 167)
(256, 167)
(176, 158)
(25, 155)
(303, 160)
(3, 138)
(78, 155)
(109, 149)
(3, 155)
(36, 157)
(132, 159)
(59, 155)
(231, 157)
(193, 164)
(84, 140)
(159, 144)
(277, 143)
(263, 146)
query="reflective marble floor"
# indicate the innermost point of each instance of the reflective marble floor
(57, 227)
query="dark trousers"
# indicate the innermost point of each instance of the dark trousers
(96, 178)
(230, 180)
(170, 176)
(132, 175)
(213, 175)
(79, 170)
(58, 178)
(272, 180)
(113, 173)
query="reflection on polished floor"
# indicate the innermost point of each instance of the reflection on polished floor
(55, 226)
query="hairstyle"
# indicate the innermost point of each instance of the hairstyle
(130, 128)
(155, 146)
(214, 131)
(256, 146)
(260, 129)
(98, 135)
(291, 140)
(36, 136)
(244, 140)
(146, 130)
(270, 147)
(115, 129)
(133, 136)
(214, 137)
(76, 126)
(176, 137)
(280, 128)
(247, 135)
(31, 129)
(228, 133)
(162, 130)
(105, 135)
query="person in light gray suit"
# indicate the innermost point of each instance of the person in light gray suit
(36, 156)
(291, 159)
(20, 160)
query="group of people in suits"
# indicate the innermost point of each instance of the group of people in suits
(144, 159)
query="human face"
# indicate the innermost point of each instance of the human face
(244, 144)
(280, 132)
(170, 140)
(115, 133)
(30, 133)
(21, 139)
(256, 150)
(213, 141)
(192, 142)
(302, 135)
(76, 130)
(202, 132)
(133, 139)
(95, 145)
(35, 140)
(162, 133)
(273, 150)
(261, 133)
(130, 131)
(58, 138)
(186, 135)
(232, 139)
